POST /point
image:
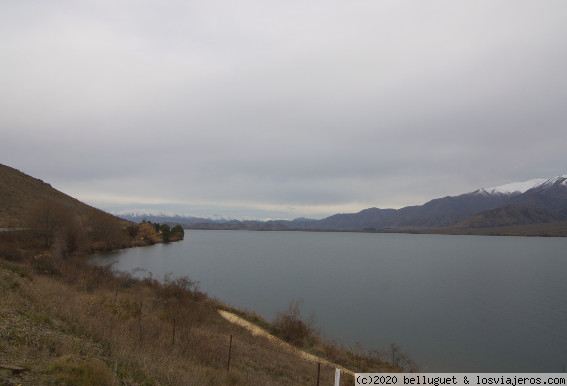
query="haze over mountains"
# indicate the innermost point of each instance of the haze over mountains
(529, 202)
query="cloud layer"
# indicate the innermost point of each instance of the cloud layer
(281, 109)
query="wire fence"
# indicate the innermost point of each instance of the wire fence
(321, 371)
(232, 348)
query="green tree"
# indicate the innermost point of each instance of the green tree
(165, 232)
(177, 233)
(177, 229)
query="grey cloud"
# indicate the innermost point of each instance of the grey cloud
(293, 103)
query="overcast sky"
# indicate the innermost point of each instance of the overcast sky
(281, 109)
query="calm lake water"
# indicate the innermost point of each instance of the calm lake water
(454, 303)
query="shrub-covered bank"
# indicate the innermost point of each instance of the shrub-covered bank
(71, 323)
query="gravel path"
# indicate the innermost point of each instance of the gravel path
(255, 330)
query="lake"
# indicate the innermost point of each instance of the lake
(454, 303)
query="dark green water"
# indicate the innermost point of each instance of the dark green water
(454, 303)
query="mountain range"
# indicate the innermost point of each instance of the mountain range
(161, 216)
(538, 201)
(531, 202)
(550, 194)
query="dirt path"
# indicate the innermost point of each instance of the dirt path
(255, 330)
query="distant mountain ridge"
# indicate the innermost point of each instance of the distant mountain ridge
(537, 201)
(540, 200)
(550, 194)
(137, 215)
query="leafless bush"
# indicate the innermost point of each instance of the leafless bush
(45, 265)
(403, 360)
(48, 219)
(179, 289)
(106, 230)
(10, 253)
(290, 326)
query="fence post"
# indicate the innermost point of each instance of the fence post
(337, 377)
(173, 337)
(318, 372)
(229, 350)
(140, 320)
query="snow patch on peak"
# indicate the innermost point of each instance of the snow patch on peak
(522, 187)
(561, 180)
(141, 213)
(150, 212)
(514, 187)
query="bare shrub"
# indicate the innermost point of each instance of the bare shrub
(106, 230)
(45, 265)
(10, 253)
(403, 360)
(290, 326)
(180, 289)
(48, 218)
(133, 230)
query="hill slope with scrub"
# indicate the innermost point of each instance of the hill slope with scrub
(19, 192)
(66, 322)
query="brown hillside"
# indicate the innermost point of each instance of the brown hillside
(510, 215)
(19, 192)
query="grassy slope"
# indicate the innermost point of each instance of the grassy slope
(19, 192)
(60, 320)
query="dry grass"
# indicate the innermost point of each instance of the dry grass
(81, 323)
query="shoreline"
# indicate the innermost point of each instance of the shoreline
(558, 229)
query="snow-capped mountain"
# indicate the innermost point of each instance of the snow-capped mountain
(555, 182)
(547, 194)
(138, 215)
(516, 188)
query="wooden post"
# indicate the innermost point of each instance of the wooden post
(116, 296)
(229, 351)
(173, 337)
(318, 372)
(140, 320)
